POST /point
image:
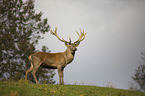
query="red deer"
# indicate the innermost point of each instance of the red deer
(55, 60)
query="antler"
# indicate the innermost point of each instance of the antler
(81, 36)
(55, 33)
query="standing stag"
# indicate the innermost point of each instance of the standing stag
(55, 60)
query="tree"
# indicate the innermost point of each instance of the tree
(20, 30)
(139, 76)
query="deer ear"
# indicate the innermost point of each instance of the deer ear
(66, 44)
(77, 44)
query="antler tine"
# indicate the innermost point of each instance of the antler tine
(77, 33)
(83, 37)
(64, 40)
(55, 33)
(82, 34)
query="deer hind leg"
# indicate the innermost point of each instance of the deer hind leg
(34, 71)
(36, 62)
(28, 70)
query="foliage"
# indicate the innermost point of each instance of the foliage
(17, 89)
(139, 76)
(20, 30)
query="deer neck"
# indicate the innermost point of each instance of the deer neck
(69, 55)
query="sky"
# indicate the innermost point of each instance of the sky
(115, 38)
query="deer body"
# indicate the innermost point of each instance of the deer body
(54, 60)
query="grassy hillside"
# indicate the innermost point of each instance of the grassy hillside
(22, 89)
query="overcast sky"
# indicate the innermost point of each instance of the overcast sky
(115, 38)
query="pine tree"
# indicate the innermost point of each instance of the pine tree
(20, 30)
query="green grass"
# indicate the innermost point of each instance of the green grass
(25, 89)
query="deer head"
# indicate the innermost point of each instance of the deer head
(70, 45)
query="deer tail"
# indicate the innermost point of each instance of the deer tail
(31, 59)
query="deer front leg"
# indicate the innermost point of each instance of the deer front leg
(60, 72)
